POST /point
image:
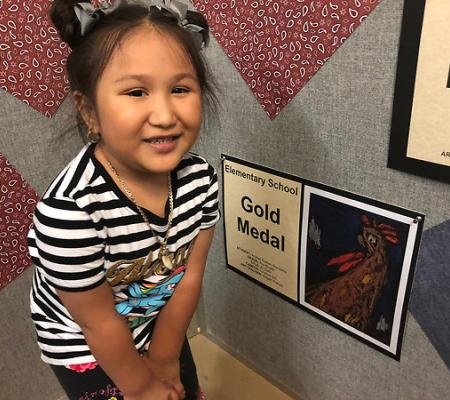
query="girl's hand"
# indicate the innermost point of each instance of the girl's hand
(167, 372)
(157, 391)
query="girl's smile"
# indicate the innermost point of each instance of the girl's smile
(163, 144)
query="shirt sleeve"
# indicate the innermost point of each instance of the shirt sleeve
(65, 245)
(210, 208)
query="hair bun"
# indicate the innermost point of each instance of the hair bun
(65, 20)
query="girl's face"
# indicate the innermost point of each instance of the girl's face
(149, 104)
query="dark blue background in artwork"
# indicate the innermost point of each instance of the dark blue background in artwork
(340, 225)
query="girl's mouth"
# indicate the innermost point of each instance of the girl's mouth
(163, 144)
(160, 140)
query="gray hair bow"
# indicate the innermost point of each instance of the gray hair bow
(88, 15)
(179, 10)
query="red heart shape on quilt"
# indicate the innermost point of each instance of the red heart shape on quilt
(278, 45)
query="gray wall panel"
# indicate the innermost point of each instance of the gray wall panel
(37, 146)
(23, 375)
(335, 131)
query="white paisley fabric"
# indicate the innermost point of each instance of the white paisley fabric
(278, 45)
(32, 55)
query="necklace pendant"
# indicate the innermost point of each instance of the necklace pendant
(166, 258)
(164, 251)
(167, 261)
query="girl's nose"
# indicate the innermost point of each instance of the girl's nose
(161, 112)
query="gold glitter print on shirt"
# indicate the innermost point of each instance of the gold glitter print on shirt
(125, 272)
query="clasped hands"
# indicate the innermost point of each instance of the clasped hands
(166, 383)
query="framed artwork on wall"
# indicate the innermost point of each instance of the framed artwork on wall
(420, 130)
(357, 263)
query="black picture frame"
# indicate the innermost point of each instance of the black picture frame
(408, 56)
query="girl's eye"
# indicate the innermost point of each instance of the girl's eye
(136, 93)
(180, 89)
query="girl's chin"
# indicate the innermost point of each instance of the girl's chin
(164, 166)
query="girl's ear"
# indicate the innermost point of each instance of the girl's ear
(87, 112)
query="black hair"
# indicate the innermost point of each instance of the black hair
(92, 51)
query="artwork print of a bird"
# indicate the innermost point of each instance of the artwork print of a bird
(352, 296)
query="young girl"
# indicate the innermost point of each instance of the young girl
(121, 236)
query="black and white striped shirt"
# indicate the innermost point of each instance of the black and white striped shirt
(86, 231)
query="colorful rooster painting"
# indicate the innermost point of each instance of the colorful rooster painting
(353, 295)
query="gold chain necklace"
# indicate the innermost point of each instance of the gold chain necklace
(164, 253)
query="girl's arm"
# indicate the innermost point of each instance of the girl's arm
(173, 320)
(111, 343)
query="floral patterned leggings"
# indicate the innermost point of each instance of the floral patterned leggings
(94, 384)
